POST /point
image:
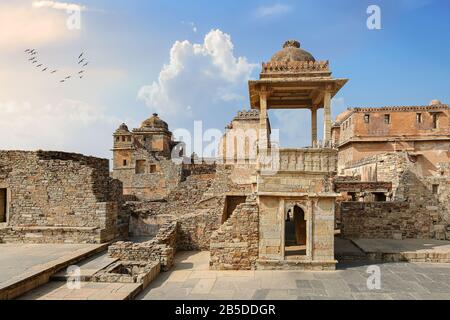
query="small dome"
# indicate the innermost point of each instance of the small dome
(435, 102)
(122, 128)
(291, 52)
(155, 123)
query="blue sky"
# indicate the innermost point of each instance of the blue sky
(129, 42)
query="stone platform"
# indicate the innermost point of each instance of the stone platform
(24, 267)
(408, 250)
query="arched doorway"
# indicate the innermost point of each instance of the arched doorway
(295, 232)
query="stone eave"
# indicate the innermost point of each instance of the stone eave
(294, 93)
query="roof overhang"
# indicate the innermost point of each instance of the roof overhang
(289, 93)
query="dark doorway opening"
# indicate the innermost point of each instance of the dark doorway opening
(3, 205)
(295, 233)
(231, 203)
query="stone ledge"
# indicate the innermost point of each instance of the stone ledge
(319, 265)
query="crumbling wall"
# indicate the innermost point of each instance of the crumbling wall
(234, 246)
(385, 220)
(58, 197)
(411, 186)
(162, 248)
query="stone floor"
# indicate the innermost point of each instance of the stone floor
(58, 290)
(191, 279)
(405, 245)
(19, 259)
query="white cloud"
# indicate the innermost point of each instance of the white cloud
(199, 75)
(276, 9)
(58, 5)
(23, 27)
(69, 125)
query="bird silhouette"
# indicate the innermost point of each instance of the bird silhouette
(63, 81)
(68, 77)
(54, 71)
(34, 61)
(84, 65)
(39, 65)
(28, 50)
(80, 71)
(81, 61)
(45, 69)
(79, 57)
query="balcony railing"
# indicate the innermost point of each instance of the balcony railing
(300, 160)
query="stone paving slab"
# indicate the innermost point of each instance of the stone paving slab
(399, 281)
(406, 245)
(58, 290)
(27, 266)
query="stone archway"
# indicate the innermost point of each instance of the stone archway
(300, 226)
(295, 232)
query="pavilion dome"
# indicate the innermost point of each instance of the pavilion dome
(154, 122)
(123, 128)
(292, 52)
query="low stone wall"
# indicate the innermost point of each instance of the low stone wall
(385, 220)
(162, 248)
(235, 245)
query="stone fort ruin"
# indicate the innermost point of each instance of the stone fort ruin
(379, 173)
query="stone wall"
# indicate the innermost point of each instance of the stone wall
(57, 197)
(385, 220)
(161, 248)
(149, 185)
(412, 185)
(234, 246)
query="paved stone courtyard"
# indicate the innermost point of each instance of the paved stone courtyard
(191, 279)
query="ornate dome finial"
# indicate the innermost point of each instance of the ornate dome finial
(292, 43)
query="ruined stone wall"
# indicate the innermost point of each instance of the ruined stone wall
(161, 248)
(149, 185)
(197, 203)
(234, 246)
(385, 220)
(56, 197)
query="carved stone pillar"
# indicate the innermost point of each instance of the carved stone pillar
(313, 127)
(327, 119)
(263, 119)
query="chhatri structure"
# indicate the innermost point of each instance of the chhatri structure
(294, 188)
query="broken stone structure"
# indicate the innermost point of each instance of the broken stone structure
(57, 197)
(406, 147)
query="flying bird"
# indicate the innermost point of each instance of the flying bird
(34, 58)
(79, 57)
(81, 77)
(84, 65)
(81, 61)
(62, 80)
(28, 50)
(39, 65)
(68, 77)
(54, 71)
(81, 72)
(45, 69)
(34, 61)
